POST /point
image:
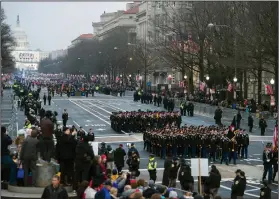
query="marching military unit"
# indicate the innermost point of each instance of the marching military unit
(141, 121)
(198, 141)
(168, 103)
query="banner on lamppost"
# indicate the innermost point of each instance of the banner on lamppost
(272, 100)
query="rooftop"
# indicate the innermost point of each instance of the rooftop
(133, 10)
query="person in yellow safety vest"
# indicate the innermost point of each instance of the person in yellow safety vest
(27, 125)
(139, 93)
(152, 166)
(30, 94)
(97, 88)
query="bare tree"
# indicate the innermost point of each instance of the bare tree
(7, 45)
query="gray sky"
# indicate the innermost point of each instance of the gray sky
(52, 26)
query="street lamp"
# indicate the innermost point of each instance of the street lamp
(131, 58)
(185, 76)
(210, 25)
(78, 57)
(100, 52)
(120, 75)
(115, 48)
(272, 81)
(207, 77)
(130, 75)
(235, 79)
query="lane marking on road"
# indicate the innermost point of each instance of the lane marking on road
(92, 109)
(111, 136)
(249, 194)
(252, 190)
(90, 112)
(113, 107)
(100, 108)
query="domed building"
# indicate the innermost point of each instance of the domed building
(25, 58)
(20, 37)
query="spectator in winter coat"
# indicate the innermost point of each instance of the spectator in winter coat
(167, 166)
(65, 154)
(213, 181)
(29, 156)
(104, 193)
(113, 193)
(84, 156)
(81, 189)
(47, 143)
(114, 175)
(173, 173)
(55, 190)
(150, 190)
(5, 155)
(110, 159)
(98, 172)
(119, 158)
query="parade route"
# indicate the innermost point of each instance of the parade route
(94, 112)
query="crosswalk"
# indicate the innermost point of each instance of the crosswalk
(99, 125)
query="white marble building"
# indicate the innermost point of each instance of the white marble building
(25, 58)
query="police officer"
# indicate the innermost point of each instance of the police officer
(265, 191)
(239, 186)
(152, 166)
(65, 117)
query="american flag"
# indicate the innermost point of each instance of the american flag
(275, 137)
(202, 86)
(230, 86)
(268, 89)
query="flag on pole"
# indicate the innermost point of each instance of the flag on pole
(230, 86)
(275, 137)
(268, 89)
(202, 86)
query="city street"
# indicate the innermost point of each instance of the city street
(94, 112)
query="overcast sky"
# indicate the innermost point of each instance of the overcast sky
(52, 26)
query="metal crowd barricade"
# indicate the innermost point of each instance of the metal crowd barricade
(12, 127)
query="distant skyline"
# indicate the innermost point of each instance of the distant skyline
(52, 26)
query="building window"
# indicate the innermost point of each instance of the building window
(130, 17)
(173, 3)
